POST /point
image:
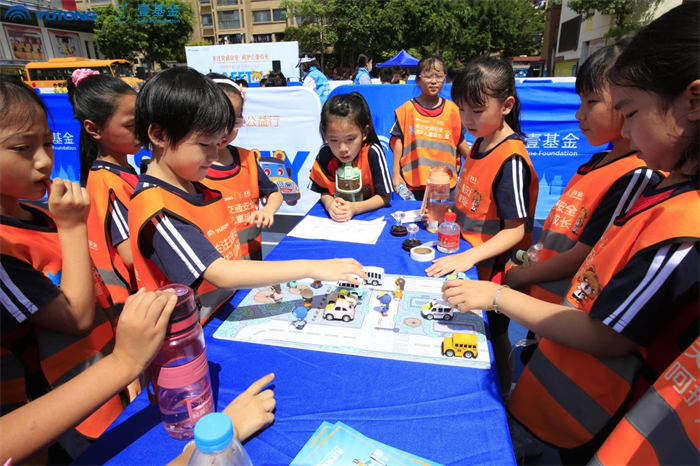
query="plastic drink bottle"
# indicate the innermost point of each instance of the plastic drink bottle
(448, 234)
(437, 196)
(348, 183)
(405, 193)
(180, 370)
(216, 445)
(531, 256)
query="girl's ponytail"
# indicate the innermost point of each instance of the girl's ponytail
(95, 97)
(352, 106)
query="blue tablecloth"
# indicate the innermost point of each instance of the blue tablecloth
(452, 415)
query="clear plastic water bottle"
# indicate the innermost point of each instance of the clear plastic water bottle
(448, 234)
(180, 370)
(405, 193)
(531, 256)
(216, 445)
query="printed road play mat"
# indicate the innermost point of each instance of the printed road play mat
(379, 321)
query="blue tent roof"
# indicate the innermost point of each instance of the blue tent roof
(402, 59)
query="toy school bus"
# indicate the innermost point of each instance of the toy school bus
(42, 75)
(461, 344)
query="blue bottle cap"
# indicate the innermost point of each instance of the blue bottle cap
(213, 432)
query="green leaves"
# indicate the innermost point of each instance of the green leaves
(458, 29)
(158, 29)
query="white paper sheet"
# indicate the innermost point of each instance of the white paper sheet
(354, 231)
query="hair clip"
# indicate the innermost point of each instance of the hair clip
(82, 73)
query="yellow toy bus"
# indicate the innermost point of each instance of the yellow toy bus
(42, 75)
(461, 344)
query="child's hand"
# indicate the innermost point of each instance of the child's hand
(451, 264)
(141, 328)
(69, 203)
(397, 180)
(339, 210)
(464, 295)
(337, 269)
(262, 218)
(514, 277)
(252, 410)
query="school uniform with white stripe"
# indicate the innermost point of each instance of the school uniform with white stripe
(496, 185)
(177, 235)
(641, 280)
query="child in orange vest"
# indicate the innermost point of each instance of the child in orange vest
(185, 232)
(242, 181)
(602, 189)
(427, 131)
(57, 317)
(636, 292)
(104, 106)
(498, 187)
(346, 123)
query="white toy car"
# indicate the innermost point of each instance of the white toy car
(437, 309)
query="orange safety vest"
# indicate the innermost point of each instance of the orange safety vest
(212, 218)
(64, 356)
(565, 396)
(327, 182)
(570, 215)
(662, 428)
(427, 142)
(239, 187)
(475, 203)
(105, 183)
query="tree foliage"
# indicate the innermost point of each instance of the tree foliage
(629, 15)
(461, 29)
(127, 32)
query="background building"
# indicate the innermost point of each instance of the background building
(25, 36)
(577, 39)
(228, 21)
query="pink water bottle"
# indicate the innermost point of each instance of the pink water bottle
(180, 371)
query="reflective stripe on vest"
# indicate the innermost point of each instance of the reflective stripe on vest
(428, 141)
(105, 183)
(212, 218)
(540, 401)
(476, 207)
(569, 216)
(662, 428)
(64, 356)
(319, 176)
(242, 197)
(13, 393)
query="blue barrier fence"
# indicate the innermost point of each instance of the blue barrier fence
(554, 141)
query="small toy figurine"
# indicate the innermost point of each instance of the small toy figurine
(385, 299)
(300, 313)
(292, 284)
(316, 284)
(308, 296)
(412, 241)
(399, 229)
(276, 292)
(401, 284)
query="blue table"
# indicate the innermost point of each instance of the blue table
(452, 415)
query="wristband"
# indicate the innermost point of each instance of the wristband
(495, 298)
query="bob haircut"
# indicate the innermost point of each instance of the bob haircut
(182, 101)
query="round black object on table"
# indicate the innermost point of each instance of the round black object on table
(410, 244)
(398, 230)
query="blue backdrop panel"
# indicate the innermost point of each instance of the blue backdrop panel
(554, 141)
